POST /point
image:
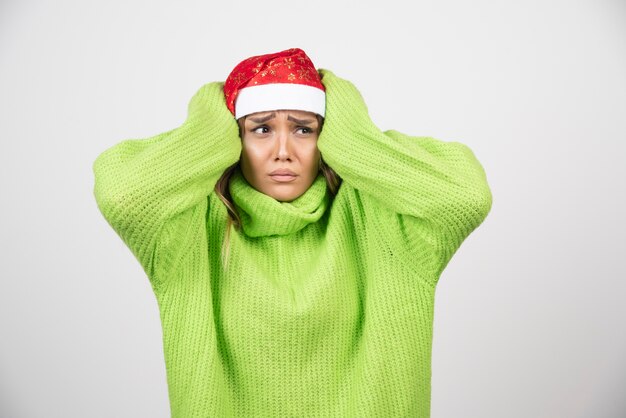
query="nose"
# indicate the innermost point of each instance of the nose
(284, 146)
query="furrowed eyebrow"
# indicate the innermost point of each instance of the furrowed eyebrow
(300, 121)
(264, 118)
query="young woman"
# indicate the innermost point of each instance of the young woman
(292, 246)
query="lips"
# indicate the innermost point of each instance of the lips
(282, 172)
(283, 175)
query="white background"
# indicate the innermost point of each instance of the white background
(530, 313)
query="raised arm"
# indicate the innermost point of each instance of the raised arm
(145, 188)
(438, 187)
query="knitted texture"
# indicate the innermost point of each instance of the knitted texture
(325, 308)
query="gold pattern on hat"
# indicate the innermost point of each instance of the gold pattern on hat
(304, 73)
(239, 78)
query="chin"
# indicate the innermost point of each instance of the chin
(284, 197)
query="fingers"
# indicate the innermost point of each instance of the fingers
(209, 101)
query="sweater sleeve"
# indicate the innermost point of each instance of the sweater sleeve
(146, 188)
(438, 190)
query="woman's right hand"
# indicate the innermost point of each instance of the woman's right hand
(209, 104)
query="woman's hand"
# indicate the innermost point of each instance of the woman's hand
(209, 104)
(346, 111)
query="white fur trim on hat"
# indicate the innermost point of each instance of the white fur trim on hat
(277, 96)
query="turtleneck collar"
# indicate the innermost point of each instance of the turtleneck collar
(262, 215)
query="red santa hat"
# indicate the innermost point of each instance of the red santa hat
(281, 80)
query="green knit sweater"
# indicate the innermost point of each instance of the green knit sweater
(325, 307)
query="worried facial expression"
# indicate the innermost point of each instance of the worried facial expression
(279, 154)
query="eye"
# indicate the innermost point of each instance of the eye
(305, 130)
(264, 129)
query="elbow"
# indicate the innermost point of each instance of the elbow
(109, 202)
(481, 203)
(476, 193)
(475, 204)
(111, 190)
(113, 196)
(463, 214)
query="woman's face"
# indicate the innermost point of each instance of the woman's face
(280, 139)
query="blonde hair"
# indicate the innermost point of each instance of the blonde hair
(333, 181)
